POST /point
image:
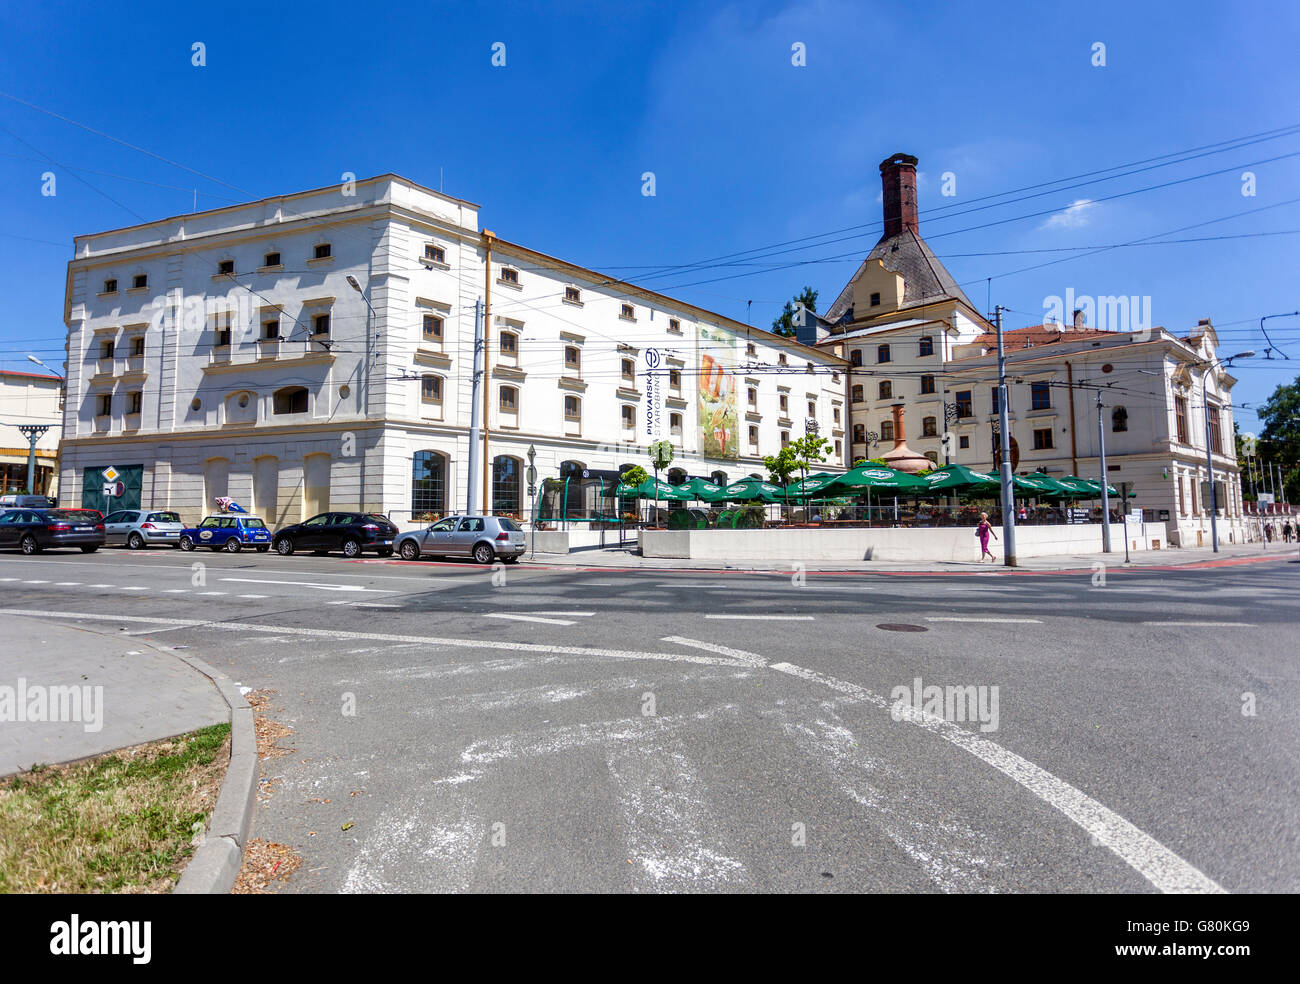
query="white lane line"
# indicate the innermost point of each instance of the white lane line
(208, 593)
(36, 582)
(9, 579)
(339, 634)
(307, 584)
(154, 631)
(752, 658)
(1013, 621)
(66, 584)
(372, 604)
(176, 590)
(764, 618)
(1222, 625)
(1151, 859)
(564, 614)
(253, 596)
(532, 618)
(103, 585)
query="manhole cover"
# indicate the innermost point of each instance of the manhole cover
(902, 627)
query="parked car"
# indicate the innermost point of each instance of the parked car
(15, 500)
(227, 532)
(140, 528)
(485, 538)
(350, 532)
(34, 530)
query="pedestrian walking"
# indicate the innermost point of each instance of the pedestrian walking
(1286, 532)
(984, 531)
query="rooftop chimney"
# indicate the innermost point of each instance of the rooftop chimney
(1078, 318)
(898, 184)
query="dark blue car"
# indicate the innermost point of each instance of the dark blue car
(229, 533)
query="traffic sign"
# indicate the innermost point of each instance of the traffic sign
(111, 473)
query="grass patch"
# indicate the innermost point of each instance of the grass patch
(125, 822)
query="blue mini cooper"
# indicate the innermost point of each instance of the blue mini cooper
(229, 533)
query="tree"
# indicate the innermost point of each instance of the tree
(635, 475)
(807, 451)
(780, 467)
(1279, 443)
(661, 453)
(784, 323)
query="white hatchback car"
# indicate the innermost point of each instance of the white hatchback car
(140, 528)
(485, 538)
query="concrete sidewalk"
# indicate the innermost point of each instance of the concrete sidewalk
(614, 558)
(147, 694)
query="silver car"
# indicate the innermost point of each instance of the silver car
(485, 538)
(140, 528)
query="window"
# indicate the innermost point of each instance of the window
(133, 401)
(221, 331)
(927, 384)
(785, 438)
(435, 253)
(510, 276)
(994, 396)
(626, 312)
(137, 345)
(751, 349)
(927, 346)
(509, 399)
(291, 399)
(882, 353)
(105, 404)
(432, 328)
(573, 295)
(753, 436)
(839, 449)
(963, 403)
(1182, 496)
(572, 408)
(675, 380)
(322, 251)
(271, 329)
(1041, 396)
(271, 260)
(835, 414)
(572, 358)
(320, 325)
(1216, 441)
(856, 393)
(784, 402)
(1119, 420)
(428, 484)
(886, 430)
(674, 326)
(509, 344)
(675, 424)
(963, 442)
(781, 360)
(855, 357)
(1043, 439)
(930, 427)
(140, 281)
(859, 433)
(629, 370)
(226, 267)
(752, 396)
(1180, 413)
(886, 389)
(431, 389)
(110, 286)
(506, 486)
(875, 300)
(629, 417)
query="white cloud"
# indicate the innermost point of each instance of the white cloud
(1076, 215)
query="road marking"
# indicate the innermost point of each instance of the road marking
(103, 585)
(1223, 625)
(1151, 859)
(9, 579)
(36, 582)
(371, 604)
(253, 596)
(764, 618)
(532, 618)
(564, 614)
(307, 584)
(740, 654)
(207, 593)
(176, 590)
(66, 584)
(1015, 621)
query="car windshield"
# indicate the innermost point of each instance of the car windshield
(164, 517)
(508, 524)
(379, 516)
(253, 523)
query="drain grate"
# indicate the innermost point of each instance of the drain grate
(902, 627)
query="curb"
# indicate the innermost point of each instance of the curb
(216, 863)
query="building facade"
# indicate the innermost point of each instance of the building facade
(317, 351)
(29, 400)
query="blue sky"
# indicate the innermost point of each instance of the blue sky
(747, 149)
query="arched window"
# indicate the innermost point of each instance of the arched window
(507, 499)
(676, 476)
(930, 427)
(859, 433)
(569, 469)
(933, 456)
(886, 390)
(719, 478)
(886, 430)
(1119, 420)
(857, 393)
(882, 353)
(291, 399)
(428, 485)
(855, 357)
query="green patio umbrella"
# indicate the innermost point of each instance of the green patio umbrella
(748, 489)
(650, 489)
(703, 490)
(1074, 488)
(1095, 486)
(810, 485)
(1036, 485)
(959, 478)
(876, 477)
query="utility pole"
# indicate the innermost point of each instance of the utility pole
(475, 411)
(1008, 495)
(1105, 495)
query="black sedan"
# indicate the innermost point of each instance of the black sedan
(350, 532)
(34, 530)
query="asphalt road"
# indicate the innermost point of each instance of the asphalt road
(565, 730)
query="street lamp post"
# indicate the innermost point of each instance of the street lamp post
(33, 432)
(532, 497)
(1209, 449)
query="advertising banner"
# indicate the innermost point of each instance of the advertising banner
(719, 421)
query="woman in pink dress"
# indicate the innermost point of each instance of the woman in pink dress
(984, 531)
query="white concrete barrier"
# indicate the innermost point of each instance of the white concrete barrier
(857, 544)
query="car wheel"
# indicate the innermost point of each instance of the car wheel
(135, 541)
(410, 550)
(89, 549)
(264, 549)
(186, 543)
(29, 545)
(484, 554)
(351, 548)
(233, 545)
(284, 547)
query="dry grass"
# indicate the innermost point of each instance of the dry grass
(124, 822)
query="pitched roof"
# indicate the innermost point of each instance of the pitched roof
(924, 277)
(1016, 339)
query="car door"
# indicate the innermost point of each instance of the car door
(206, 533)
(311, 535)
(438, 538)
(116, 526)
(9, 529)
(340, 525)
(467, 533)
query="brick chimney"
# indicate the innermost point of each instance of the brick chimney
(898, 184)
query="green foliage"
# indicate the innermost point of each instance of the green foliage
(781, 466)
(634, 475)
(752, 516)
(1280, 440)
(784, 324)
(809, 450)
(661, 453)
